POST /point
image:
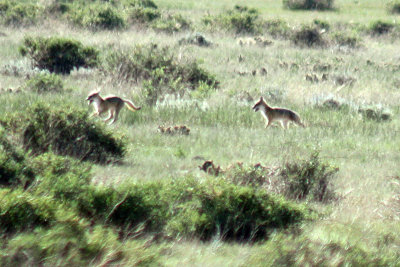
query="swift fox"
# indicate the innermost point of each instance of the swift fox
(112, 104)
(284, 116)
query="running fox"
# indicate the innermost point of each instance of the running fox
(112, 104)
(276, 114)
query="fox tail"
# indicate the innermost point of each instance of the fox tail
(131, 106)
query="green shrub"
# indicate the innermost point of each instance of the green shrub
(17, 13)
(346, 39)
(98, 16)
(45, 82)
(308, 36)
(14, 169)
(394, 7)
(308, 4)
(240, 19)
(230, 211)
(381, 27)
(277, 28)
(375, 113)
(143, 15)
(171, 23)
(22, 211)
(160, 72)
(66, 131)
(58, 54)
(308, 179)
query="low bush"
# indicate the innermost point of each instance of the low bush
(143, 15)
(308, 4)
(375, 113)
(308, 179)
(158, 70)
(58, 55)
(14, 169)
(21, 211)
(45, 82)
(98, 16)
(394, 7)
(66, 131)
(240, 19)
(381, 27)
(308, 36)
(277, 28)
(346, 39)
(171, 23)
(19, 13)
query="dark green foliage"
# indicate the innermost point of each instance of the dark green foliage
(143, 15)
(67, 131)
(159, 70)
(231, 211)
(57, 54)
(308, 36)
(375, 113)
(308, 179)
(195, 39)
(22, 211)
(308, 4)
(346, 39)
(394, 7)
(142, 3)
(240, 19)
(17, 13)
(45, 82)
(381, 27)
(98, 16)
(14, 169)
(277, 28)
(171, 23)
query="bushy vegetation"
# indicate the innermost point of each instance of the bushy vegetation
(380, 27)
(309, 36)
(45, 82)
(240, 19)
(57, 54)
(159, 70)
(394, 7)
(66, 132)
(308, 4)
(14, 169)
(19, 13)
(98, 16)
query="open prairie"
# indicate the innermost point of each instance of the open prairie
(201, 65)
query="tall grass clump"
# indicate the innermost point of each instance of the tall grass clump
(308, 179)
(19, 13)
(240, 19)
(380, 27)
(14, 168)
(57, 54)
(45, 82)
(308, 36)
(98, 16)
(394, 7)
(158, 70)
(66, 131)
(308, 4)
(22, 211)
(170, 23)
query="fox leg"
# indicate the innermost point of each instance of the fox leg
(268, 124)
(110, 116)
(115, 117)
(285, 124)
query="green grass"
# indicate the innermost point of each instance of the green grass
(360, 228)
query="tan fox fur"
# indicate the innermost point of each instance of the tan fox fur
(284, 116)
(111, 104)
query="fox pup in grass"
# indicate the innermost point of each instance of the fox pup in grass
(284, 116)
(112, 104)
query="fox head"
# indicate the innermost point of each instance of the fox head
(260, 103)
(92, 96)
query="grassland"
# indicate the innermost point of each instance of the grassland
(360, 227)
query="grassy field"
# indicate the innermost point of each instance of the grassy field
(360, 227)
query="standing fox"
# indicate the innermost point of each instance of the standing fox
(276, 114)
(112, 104)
